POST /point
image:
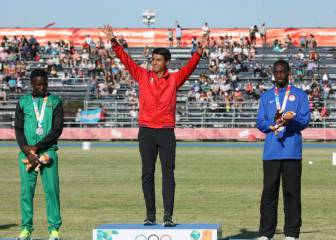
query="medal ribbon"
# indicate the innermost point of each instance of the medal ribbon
(280, 108)
(40, 116)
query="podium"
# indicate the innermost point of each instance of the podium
(157, 232)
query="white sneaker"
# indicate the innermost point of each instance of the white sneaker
(291, 238)
(263, 238)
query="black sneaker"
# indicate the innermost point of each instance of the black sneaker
(150, 220)
(168, 221)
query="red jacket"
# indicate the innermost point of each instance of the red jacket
(157, 97)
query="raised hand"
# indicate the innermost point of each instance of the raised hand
(108, 31)
(201, 45)
(204, 42)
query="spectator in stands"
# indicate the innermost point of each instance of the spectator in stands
(3, 95)
(253, 35)
(326, 90)
(53, 72)
(249, 89)
(303, 41)
(171, 37)
(259, 89)
(194, 92)
(277, 46)
(178, 32)
(133, 114)
(212, 43)
(311, 66)
(91, 68)
(48, 48)
(157, 121)
(325, 77)
(194, 45)
(205, 49)
(251, 53)
(222, 68)
(132, 98)
(259, 70)
(213, 68)
(324, 112)
(316, 116)
(32, 40)
(3, 54)
(111, 85)
(282, 152)
(311, 42)
(288, 41)
(146, 52)
(88, 40)
(78, 115)
(102, 116)
(222, 41)
(228, 101)
(102, 89)
(33, 52)
(205, 94)
(93, 84)
(21, 69)
(306, 87)
(19, 86)
(313, 55)
(238, 99)
(145, 65)
(65, 79)
(85, 56)
(225, 85)
(12, 84)
(76, 58)
(263, 31)
(300, 55)
(206, 30)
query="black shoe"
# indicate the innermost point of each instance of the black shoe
(150, 220)
(168, 221)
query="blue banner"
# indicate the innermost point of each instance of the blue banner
(90, 116)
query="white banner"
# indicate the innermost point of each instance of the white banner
(157, 232)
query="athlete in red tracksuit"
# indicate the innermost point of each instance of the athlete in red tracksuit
(157, 105)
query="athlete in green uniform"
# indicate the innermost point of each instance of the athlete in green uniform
(38, 125)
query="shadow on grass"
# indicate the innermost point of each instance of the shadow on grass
(243, 234)
(246, 234)
(7, 226)
(301, 232)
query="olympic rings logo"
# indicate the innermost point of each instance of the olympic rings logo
(153, 237)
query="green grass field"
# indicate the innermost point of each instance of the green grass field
(214, 185)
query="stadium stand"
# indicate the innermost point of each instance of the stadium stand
(222, 92)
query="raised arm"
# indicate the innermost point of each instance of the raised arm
(182, 75)
(135, 70)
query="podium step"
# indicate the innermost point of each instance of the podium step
(157, 232)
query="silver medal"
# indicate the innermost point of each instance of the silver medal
(39, 131)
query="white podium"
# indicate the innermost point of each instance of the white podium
(157, 232)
